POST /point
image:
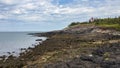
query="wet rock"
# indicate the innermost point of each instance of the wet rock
(38, 40)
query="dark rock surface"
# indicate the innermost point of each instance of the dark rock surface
(38, 40)
(104, 57)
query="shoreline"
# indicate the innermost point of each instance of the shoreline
(63, 46)
(38, 41)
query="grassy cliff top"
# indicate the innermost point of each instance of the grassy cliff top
(113, 23)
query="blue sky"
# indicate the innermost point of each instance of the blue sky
(47, 15)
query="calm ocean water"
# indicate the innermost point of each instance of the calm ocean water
(14, 41)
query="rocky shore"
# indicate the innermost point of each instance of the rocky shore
(107, 56)
(84, 46)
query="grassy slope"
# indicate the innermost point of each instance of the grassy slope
(113, 23)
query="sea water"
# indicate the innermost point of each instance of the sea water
(12, 42)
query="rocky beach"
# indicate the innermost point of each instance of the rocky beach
(59, 33)
(80, 46)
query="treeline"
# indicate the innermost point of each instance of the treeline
(76, 23)
(107, 21)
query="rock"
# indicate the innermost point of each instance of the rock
(1, 58)
(86, 58)
(115, 66)
(118, 59)
(49, 66)
(105, 66)
(99, 52)
(98, 60)
(75, 63)
(32, 66)
(106, 56)
(110, 62)
(38, 40)
(57, 65)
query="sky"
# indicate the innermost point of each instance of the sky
(48, 15)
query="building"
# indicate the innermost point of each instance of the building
(91, 19)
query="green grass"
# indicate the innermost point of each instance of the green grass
(113, 23)
(114, 26)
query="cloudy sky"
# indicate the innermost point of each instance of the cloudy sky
(47, 15)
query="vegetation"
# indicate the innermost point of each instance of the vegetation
(74, 23)
(77, 23)
(106, 22)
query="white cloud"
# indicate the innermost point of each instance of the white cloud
(2, 16)
(76, 10)
(42, 10)
(18, 11)
(29, 6)
(31, 18)
(9, 2)
(69, 10)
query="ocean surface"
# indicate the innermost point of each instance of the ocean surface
(12, 42)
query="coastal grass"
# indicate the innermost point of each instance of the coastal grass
(113, 23)
(113, 26)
